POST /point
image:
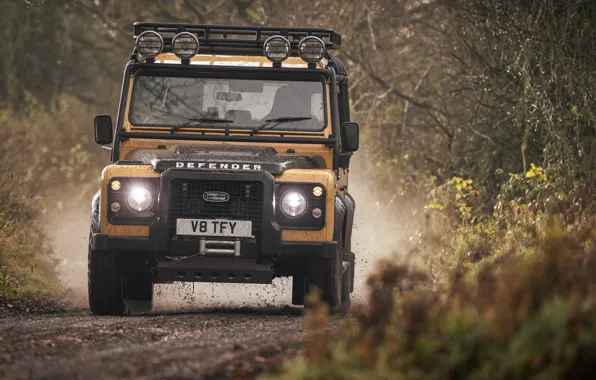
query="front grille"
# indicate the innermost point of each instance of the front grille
(186, 201)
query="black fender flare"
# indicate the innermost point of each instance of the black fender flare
(339, 218)
(95, 203)
(344, 222)
(349, 223)
(348, 228)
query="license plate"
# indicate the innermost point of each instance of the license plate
(214, 227)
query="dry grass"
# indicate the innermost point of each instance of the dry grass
(27, 268)
(520, 316)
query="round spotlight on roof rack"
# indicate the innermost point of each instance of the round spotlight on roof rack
(311, 49)
(277, 49)
(149, 44)
(185, 45)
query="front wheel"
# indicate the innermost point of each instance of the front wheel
(139, 286)
(105, 284)
(326, 276)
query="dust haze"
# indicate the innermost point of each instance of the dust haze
(378, 232)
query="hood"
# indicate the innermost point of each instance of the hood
(223, 157)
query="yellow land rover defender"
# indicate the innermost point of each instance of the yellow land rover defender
(230, 160)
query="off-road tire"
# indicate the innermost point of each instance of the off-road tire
(298, 289)
(105, 284)
(347, 283)
(139, 286)
(326, 276)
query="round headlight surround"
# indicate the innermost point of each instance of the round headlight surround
(139, 199)
(311, 49)
(149, 44)
(275, 46)
(185, 38)
(293, 204)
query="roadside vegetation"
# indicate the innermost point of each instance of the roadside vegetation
(26, 265)
(43, 162)
(510, 297)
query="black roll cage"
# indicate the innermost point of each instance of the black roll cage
(231, 39)
(244, 40)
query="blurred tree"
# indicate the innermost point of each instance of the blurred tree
(441, 87)
(464, 87)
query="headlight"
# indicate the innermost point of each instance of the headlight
(293, 203)
(139, 199)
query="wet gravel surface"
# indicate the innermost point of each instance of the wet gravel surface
(203, 344)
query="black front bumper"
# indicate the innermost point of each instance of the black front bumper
(105, 243)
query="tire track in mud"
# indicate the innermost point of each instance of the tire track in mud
(206, 343)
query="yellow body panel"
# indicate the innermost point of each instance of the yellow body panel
(324, 176)
(111, 171)
(236, 60)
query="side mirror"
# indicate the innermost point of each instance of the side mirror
(103, 129)
(350, 136)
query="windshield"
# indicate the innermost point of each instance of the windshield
(170, 101)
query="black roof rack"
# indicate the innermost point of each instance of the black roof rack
(224, 39)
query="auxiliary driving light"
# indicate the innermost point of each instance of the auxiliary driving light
(293, 204)
(149, 44)
(277, 49)
(140, 199)
(311, 49)
(185, 45)
(116, 185)
(317, 191)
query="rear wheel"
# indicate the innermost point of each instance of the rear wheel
(105, 284)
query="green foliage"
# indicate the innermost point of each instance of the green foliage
(26, 264)
(457, 195)
(8, 285)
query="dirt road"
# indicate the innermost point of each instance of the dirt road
(205, 344)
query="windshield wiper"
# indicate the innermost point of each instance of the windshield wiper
(199, 122)
(279, 120)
